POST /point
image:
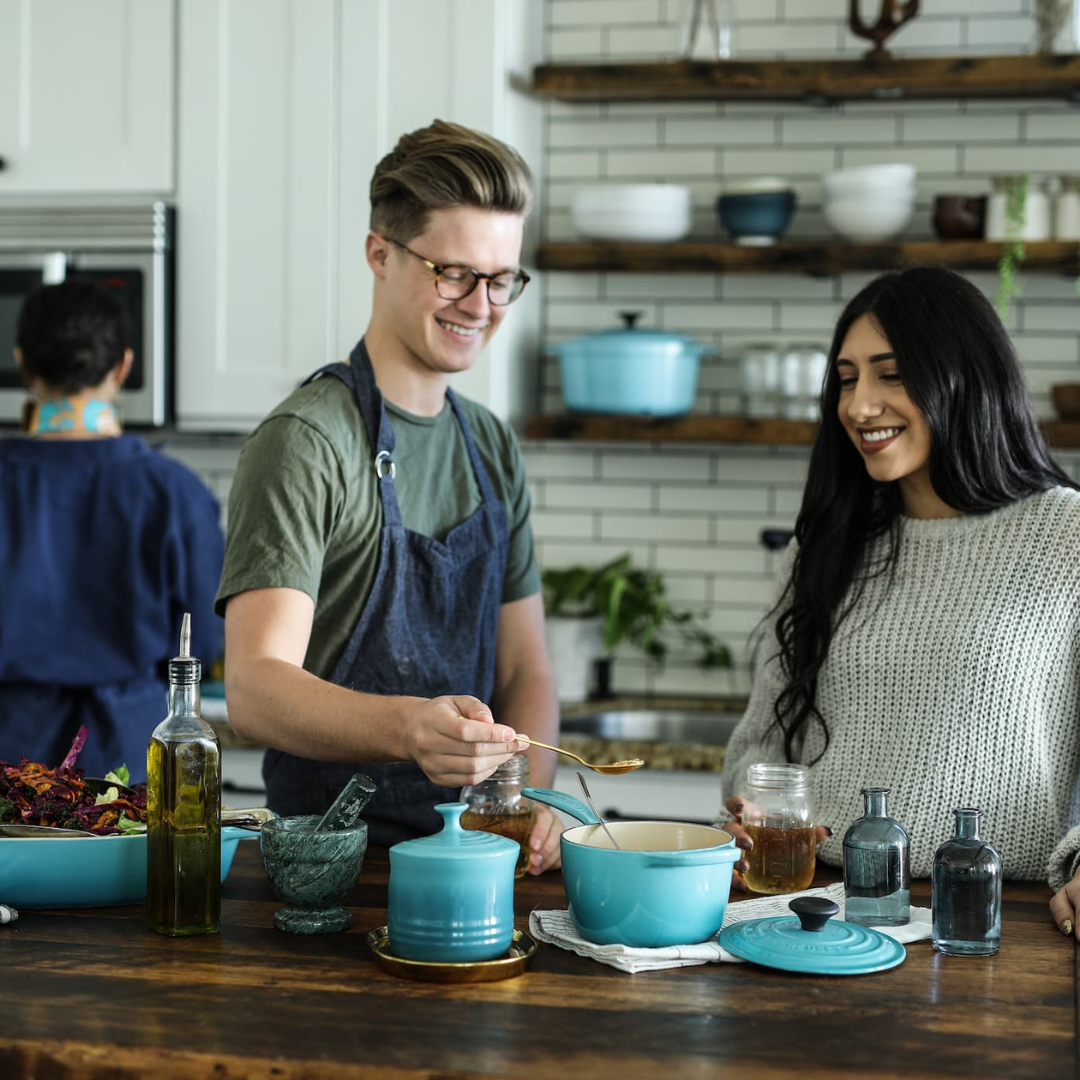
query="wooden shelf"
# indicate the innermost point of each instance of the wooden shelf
(798, 257)
(585, 427)
(816, 81)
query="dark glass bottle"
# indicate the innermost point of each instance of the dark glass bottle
(183, 809)
(967, 891)
(877, 874)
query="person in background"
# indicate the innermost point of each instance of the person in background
(382, 602)
(927, 636)
(104, 544)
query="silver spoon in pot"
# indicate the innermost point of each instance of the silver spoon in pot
(603, 824)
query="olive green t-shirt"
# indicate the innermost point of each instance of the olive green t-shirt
(304, 510)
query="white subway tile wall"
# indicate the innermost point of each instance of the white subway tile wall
(696, 513)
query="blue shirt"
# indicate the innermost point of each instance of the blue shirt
(104, 544)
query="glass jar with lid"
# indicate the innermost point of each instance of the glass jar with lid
(778, 817)
(496, 805)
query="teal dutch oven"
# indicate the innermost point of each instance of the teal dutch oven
(451, 895)
(630, 371)
(668, 885)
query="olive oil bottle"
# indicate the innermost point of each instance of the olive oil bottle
(183, 804)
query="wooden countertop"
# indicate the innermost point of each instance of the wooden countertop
(93, 993)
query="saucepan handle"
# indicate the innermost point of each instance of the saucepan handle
(701, 857)
(561, 801)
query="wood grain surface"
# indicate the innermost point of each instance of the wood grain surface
(818, 82)
(94, 994)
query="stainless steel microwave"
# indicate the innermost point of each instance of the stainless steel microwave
(128, 248)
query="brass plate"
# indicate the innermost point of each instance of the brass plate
(514, 962)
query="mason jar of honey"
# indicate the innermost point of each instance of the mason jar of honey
(497, 805)
(778, 816)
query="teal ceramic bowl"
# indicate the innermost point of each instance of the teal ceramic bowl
(669, 884)
(85, 871)
(451, 895)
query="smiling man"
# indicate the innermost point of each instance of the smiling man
(382, 602)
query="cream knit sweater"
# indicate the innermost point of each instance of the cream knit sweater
(958, 684)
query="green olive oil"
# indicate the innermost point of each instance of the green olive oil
(183, 834)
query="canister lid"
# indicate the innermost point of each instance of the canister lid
(454, 842)
(836, 948)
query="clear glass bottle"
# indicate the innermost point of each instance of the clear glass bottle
(966, 891)
(877, 867)
(778, 817)
(496, 805)
(183, 809)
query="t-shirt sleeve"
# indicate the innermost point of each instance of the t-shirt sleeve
(283, 503)
(522, 573)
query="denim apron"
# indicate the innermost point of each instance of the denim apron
(428, 628)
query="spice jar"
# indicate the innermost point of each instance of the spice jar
(877, 874)
(778, 817)
(966, 891)
(496, 805)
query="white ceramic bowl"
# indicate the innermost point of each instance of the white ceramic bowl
(868, 178)
(870, 217)
(756, 185)
(632, 211)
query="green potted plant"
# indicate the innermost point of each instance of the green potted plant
(592, 610)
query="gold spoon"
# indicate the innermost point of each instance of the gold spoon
(614, 768)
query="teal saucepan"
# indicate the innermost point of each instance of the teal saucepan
(85, 871)
(668, 885)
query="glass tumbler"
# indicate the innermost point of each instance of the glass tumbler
(877, 869)
(497, 805)
(966, 891)
(778, 817)
(759, 369)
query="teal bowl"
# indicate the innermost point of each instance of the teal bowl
(756, 216)
(85, 871)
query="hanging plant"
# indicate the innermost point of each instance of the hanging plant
(1012, 247)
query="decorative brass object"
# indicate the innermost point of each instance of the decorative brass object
(894, 13)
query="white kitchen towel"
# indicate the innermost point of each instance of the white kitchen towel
(557, 928)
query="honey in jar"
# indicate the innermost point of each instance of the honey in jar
(496, 805)
(778, 818)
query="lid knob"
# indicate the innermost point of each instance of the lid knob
(630, 317)
(814, 911)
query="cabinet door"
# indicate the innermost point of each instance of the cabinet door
(286, 107)
(86, 96)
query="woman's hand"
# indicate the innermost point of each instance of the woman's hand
(737, 806)
(544, 841)
(1063, 905)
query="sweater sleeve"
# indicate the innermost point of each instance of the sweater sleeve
(757, 738)
(1064, 860)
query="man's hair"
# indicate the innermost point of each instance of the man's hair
(72, 335)
(441, 166)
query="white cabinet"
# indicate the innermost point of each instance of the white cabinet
(87, 96)
(285, 108)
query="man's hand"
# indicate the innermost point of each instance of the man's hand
(544, 841)
(1063, 905)
(456, 741)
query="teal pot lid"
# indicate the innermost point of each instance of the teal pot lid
(454, 842)
(630, 341)
(837, 948)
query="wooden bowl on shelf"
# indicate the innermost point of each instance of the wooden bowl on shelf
(1066, 400)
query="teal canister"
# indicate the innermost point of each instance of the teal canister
(451, 896)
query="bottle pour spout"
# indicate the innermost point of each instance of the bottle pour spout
(185, 636)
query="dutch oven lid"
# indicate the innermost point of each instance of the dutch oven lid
(812, 942)
(632, 335)
(454, 842)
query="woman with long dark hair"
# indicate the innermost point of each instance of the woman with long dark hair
(927, 636)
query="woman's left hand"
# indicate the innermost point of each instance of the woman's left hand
(544, 841)
(1063, 905)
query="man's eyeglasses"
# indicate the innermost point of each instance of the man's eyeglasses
(457, 282)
